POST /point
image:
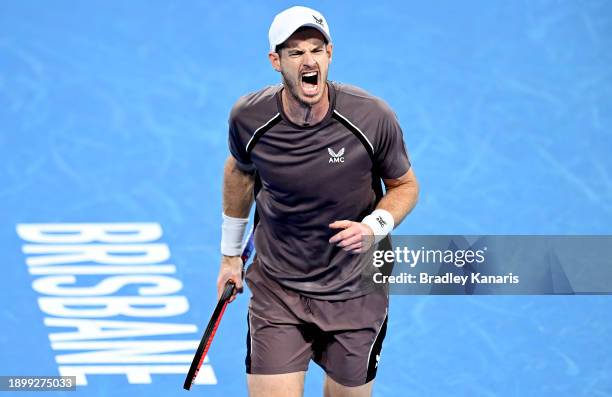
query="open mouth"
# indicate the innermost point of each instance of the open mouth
(310, 82)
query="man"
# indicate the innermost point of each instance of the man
(313, 152)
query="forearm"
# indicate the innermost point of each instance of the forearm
(400, 198)
(237, 201)
(237, 190)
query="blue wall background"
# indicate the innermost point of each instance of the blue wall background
(116, 111)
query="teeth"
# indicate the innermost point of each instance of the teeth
(310, 74)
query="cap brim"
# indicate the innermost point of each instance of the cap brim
(306, 25)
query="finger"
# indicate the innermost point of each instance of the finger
(220, 286)
(353, 247)
(237, 290)
(238, 286)
(343, 224)
(350, 240)
(346, 233)
(224, 279)
(366, 244)
(237, 280)
(337, 237)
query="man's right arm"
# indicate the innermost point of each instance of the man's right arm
(237, 202)
(237, 190)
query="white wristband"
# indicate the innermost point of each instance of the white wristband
(232, 233)
(381, 222)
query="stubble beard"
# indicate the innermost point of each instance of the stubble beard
(294, 91)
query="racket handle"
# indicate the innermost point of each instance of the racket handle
(228, 290)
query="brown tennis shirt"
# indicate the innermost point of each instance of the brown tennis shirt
(311, 176)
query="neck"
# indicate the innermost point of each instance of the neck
(302, 114)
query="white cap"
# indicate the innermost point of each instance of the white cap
(290, 20)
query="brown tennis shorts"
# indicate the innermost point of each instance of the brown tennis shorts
(287, 330)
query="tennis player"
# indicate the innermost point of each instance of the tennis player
(312, 153)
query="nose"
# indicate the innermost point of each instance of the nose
(309, 59)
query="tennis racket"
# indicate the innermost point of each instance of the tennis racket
(215, 319)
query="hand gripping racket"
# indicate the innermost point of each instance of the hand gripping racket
(215, 319)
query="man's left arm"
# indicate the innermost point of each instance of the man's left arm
(400, 198)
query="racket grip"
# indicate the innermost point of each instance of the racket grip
(228, 290)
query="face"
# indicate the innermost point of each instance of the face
(304, 62)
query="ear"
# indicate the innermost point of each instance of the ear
(275, 60)
(330, 49)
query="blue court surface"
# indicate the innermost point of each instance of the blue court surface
(116, 112)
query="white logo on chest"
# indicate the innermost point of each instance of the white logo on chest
(336, 157)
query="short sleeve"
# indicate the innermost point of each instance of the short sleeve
(390, 151)
(237, 145)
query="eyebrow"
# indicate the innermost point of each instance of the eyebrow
(317, 47)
